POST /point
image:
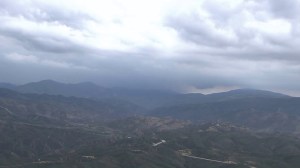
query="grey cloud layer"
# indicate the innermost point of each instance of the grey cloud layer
(251, 25)
(219, 43)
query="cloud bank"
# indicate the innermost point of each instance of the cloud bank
(187, 46)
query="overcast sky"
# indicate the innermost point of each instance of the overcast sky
(190, 45)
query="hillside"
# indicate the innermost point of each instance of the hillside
(263, 114)
(65, 108)
(214, 145)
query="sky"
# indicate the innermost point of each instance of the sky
(188, 46)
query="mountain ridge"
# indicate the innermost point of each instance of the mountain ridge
(149, 99)
(49, 82)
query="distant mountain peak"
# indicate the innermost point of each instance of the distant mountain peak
(84, 89)
(249, 92)
(46, 81)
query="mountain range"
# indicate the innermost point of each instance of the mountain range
(147, 98)
(53, 124)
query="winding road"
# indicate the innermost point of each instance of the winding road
(6, 109)
(206, 159)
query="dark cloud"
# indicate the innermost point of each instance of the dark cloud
(285, 8)
(247, 30)
(199, 30)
